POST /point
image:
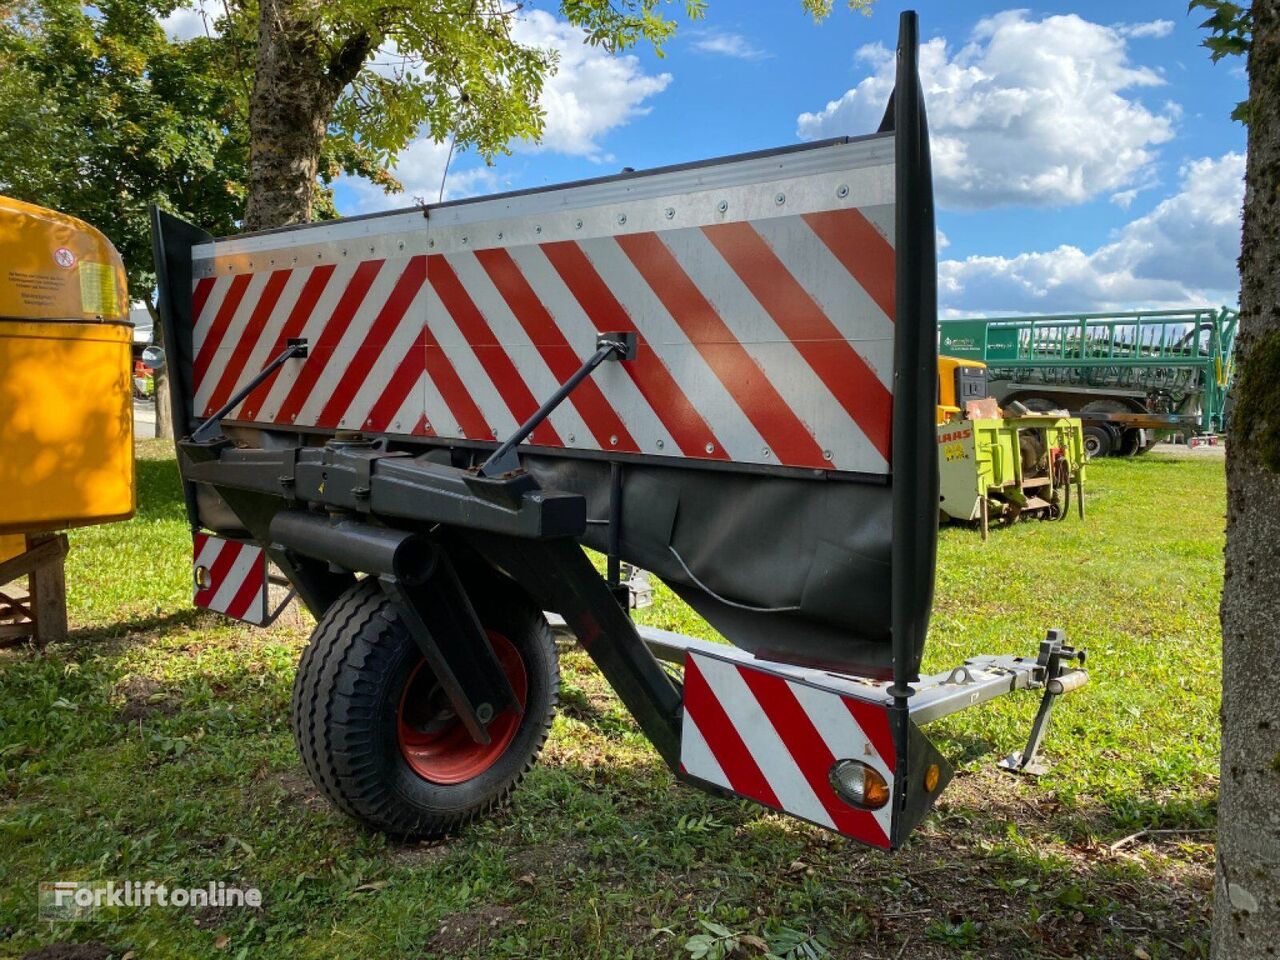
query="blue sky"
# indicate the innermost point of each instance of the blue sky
(1084, 154)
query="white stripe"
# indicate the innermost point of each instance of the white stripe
(390, 353)
(844, 737)
(232, 336)
(244, 565)
(284, 380)
(473, 375)
(881, 216)
(801, 389)
(696, 756)
(780, 769)
(619, 390)
(212, 304)
(847, 305)
(271, 329)
(526, 356)
(691, 372)
(209, 552)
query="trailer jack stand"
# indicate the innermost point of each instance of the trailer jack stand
(1057, 681)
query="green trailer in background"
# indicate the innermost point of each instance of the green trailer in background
(1128, 376)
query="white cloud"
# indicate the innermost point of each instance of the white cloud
(1032, 112)
(728, 45)
(186, 23)
(1181, 253)
(592, 91)
(1153, 29)
(420, 168)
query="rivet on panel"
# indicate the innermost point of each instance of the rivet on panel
(842, 191)
(613, 441)
(722, 206)
(622, 218)
(826, 454)
(671, 212)
(661, 444)
(577, 224)
(401, 244)
(711, 448)
(431, 243)
(397, 424)
(538, 229)
(572, 438)
(780, 199)
(499, 234)
(764, 452)
(464, 239)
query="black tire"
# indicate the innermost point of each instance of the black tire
(346, 700)
(1097, 442)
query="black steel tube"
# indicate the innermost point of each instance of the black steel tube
(497, 458)
(356, 546)
(915, 468)
(613, 550)
(207, 430)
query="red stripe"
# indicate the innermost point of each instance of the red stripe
(407, 373)
(218, 571)
(199, 296)
(853, 383)
(650, 375)
(222, 320)
(370, 350)
(250, 592)
(722, 739)
(422, 428)
(874, 722)
(863, 250)
(475, 330)
(789, 438)
(249, 339)
(600, 417)
(321, 352)
(810, 752)
(293, 325)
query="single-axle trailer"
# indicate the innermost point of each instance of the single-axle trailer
(722, 372)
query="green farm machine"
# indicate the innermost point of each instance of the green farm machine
(1129, 376)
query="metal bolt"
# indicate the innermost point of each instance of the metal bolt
(431, 243)
(344, 253)
(613, 441)
(711, 448)
(572, 438)
(842, 191)
(765, 452)
(722, 206)
(460, 431)
(826, 454)
(464, 239)
(780, 199)
(537, 229)
(577, 225)
(401, 244)
(661, 444)
(499, 234)
(484, 712)
(369, 422)
(671, 212)
(622, 218)
(397, 424)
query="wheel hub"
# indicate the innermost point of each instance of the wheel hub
(432, 738)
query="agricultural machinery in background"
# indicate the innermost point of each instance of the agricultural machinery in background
(1131, 377)
(722, 372)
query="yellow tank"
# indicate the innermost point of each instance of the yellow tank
(66, 359)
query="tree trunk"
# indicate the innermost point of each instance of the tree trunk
(1246, 918)
(160, 380)
(297, 82)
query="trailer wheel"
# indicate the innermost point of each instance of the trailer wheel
(1097, 442)
(377, 737)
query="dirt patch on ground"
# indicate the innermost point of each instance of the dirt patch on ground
(467, 934)
(294, 783)
(144, 699)
(73, 951)
(548, 860)
(425, 853)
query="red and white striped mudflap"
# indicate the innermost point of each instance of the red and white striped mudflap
(761, 291)
(230, 578)
(774, 733)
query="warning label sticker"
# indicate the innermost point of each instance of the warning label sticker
(98, 289)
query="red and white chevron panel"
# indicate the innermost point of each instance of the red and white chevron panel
(231, 578)
(764, 310)
(769, 736)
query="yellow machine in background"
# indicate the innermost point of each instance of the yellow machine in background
(66, 414)
(1002, 464)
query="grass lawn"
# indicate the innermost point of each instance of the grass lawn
(155, 745)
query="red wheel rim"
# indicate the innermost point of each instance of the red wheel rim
(434, 742)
